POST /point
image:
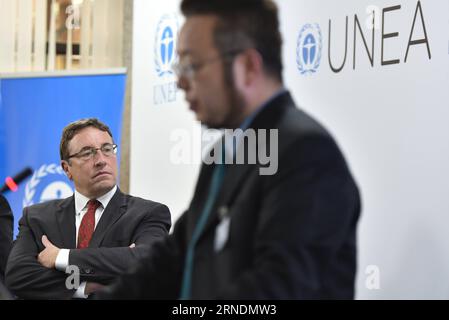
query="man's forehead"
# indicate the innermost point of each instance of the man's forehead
(89, 133)
(196, 35)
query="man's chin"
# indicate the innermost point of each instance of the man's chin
(103, 187)
(211, 125)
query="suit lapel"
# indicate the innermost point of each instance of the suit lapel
(65, 216)
(115, 209)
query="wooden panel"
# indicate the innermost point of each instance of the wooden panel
(24, 33)
(69, 50)
(52, 38)
(115, 38)
(8, 15)
(86, 33)
(100, 33)
(40, 34)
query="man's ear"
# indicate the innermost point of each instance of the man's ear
(247, 68)
(66, 167)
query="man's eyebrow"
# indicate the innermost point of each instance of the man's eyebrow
(86, 148)
(185, 52)
(92, 147)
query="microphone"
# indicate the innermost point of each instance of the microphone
(11, 183)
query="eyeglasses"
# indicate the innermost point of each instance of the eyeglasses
(88, 153)
(189, 70)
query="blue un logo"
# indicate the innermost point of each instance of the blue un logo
(165, 45)
(308, 49)
(49, 182)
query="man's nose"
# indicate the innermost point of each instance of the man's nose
(183, 83)
(99, 158)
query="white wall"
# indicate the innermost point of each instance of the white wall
(154, 117)
(391, 122)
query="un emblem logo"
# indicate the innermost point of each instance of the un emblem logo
(165, 45)
(47, 184)
(308, 49)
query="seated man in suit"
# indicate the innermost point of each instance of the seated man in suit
(252, 231)
(99, 231)
(6, 225)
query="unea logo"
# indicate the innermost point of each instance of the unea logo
(165, 45)
(308, 49)
(46, 184)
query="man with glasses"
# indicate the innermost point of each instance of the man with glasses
(69, 248)
(286, 235)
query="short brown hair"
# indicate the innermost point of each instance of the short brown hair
(242, 25)
(72, 129)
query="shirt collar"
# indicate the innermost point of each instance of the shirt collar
(230, 147)
(81, 200)
(246, 123)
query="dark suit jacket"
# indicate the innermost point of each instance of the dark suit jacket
(126, 220)
(6, 226)
(292, 235)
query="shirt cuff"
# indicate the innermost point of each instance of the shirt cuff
(79, 293)
(62, 260)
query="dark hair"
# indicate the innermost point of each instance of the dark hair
(72, 129)
(242, 25)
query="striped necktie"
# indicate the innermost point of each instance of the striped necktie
(87, 225)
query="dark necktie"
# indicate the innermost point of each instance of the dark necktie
(87, 226)
(216, 181)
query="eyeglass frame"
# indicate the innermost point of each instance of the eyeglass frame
(94, 151)
(190, 69)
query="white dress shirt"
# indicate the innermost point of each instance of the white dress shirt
(62, 260)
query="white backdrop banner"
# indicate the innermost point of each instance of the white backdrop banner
(376, 74)
(160, 117)
(382, 89)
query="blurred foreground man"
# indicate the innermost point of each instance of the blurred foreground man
(68, 248)
(274, 215)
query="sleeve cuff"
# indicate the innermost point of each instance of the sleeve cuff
(62, 260)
